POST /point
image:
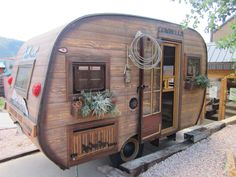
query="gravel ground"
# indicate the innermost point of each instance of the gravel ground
(13, 143)
(206, 158)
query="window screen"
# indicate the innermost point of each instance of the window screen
(88, 77)
(23, 77)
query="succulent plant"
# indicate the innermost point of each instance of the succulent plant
(97, 104)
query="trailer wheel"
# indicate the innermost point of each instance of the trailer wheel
(130, 150)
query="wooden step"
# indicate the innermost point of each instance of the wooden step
(214, 117)
(137, 166)
(230, 112)
(204, 131)
(197, 135)
(230, 105)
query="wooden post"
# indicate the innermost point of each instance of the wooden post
(203, 113)
(223, 93)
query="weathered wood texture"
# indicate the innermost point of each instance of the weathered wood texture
(102, 37)
(45, 43)
(197, 135)
(230, 120)
(86, 141)
(204, 131)
(106, 36)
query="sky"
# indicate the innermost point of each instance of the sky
(24, 19)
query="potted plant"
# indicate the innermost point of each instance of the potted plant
(94, 104)
(200, 81)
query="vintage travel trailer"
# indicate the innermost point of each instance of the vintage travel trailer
(104, 84)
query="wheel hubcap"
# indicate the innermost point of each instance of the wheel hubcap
(129, 149)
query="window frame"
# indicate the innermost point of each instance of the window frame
(85, 59)
(189, 57)
(78, 64)
(26, 64)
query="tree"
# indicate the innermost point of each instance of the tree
(216, 11)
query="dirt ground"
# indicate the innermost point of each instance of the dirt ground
(13, 143)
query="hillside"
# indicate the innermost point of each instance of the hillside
(9, 47)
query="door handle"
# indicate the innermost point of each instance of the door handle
(142, 87)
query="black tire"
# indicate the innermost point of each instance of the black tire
(130, 150)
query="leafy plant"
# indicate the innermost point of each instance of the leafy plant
(85, 111)
(216, 12)
(201, 81)
(1, 103)
(101, 104)
(97, 104)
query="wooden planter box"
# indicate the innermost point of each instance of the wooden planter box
(189, 85)
(75, 112)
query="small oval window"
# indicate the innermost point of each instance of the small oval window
(133, 103)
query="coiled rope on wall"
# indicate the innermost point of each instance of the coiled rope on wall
(140, 61)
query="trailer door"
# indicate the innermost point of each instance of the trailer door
(150, 95)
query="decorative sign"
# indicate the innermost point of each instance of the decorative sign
(92, 141)
(96, 146)
(232, 94)
(31, 52)
(213, 92)
(19, 102)
(170, 31)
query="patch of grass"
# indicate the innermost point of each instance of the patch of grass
(1, 103)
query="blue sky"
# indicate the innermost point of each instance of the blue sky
(24, 19)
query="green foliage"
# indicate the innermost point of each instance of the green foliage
(87, 98)
(201, 81)
(234, 65)
(85, 111)
(97, 104)
(101, 104)
(230, 40)
(1, 103)
(216, 11)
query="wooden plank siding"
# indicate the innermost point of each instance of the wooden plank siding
(111, 37)
(104, 36)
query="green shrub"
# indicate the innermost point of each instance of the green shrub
(2, 103)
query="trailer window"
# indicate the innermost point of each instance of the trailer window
(192, 65)
(23, 79)
(90, 77)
